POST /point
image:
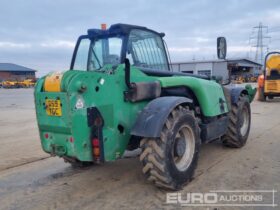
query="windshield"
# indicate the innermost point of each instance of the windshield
(94, 54)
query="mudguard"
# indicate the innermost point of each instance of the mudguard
(235, 92)
(150, 121)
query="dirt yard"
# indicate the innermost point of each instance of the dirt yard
(30, 179)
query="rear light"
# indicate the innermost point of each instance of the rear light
(71, 139)
(96, 149)
(46, 135)
(95, 142)
(96, 152)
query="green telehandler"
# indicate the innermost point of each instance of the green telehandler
(120, 94)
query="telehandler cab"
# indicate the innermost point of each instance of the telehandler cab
(120, 94)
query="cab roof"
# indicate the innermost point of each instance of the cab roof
(119, 28)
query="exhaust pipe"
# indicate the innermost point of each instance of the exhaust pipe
(141, 90)
(127, 73)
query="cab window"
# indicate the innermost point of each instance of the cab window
(146, 49)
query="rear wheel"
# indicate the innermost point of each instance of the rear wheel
(239, 124)
(170, 161)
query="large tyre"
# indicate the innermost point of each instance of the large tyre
(239, 124)
(77, 163)
(170, 161)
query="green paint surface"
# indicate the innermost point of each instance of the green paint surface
(208, 93)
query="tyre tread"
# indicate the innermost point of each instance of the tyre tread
(152, 157)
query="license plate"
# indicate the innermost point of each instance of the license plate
(53, 107)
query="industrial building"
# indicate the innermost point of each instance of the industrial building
(10, 71)
(224, 68)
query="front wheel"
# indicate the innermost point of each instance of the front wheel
(239, 124)
(170, 161)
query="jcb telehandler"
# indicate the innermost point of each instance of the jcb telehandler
(120, 94)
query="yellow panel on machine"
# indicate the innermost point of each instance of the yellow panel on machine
(52, 82)
(272, 86)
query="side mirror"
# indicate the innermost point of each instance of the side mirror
(221, 47)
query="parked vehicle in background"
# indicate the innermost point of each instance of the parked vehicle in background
(27, 83)
(269, 81)
(10, 84)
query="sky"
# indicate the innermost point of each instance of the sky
(42, 34)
